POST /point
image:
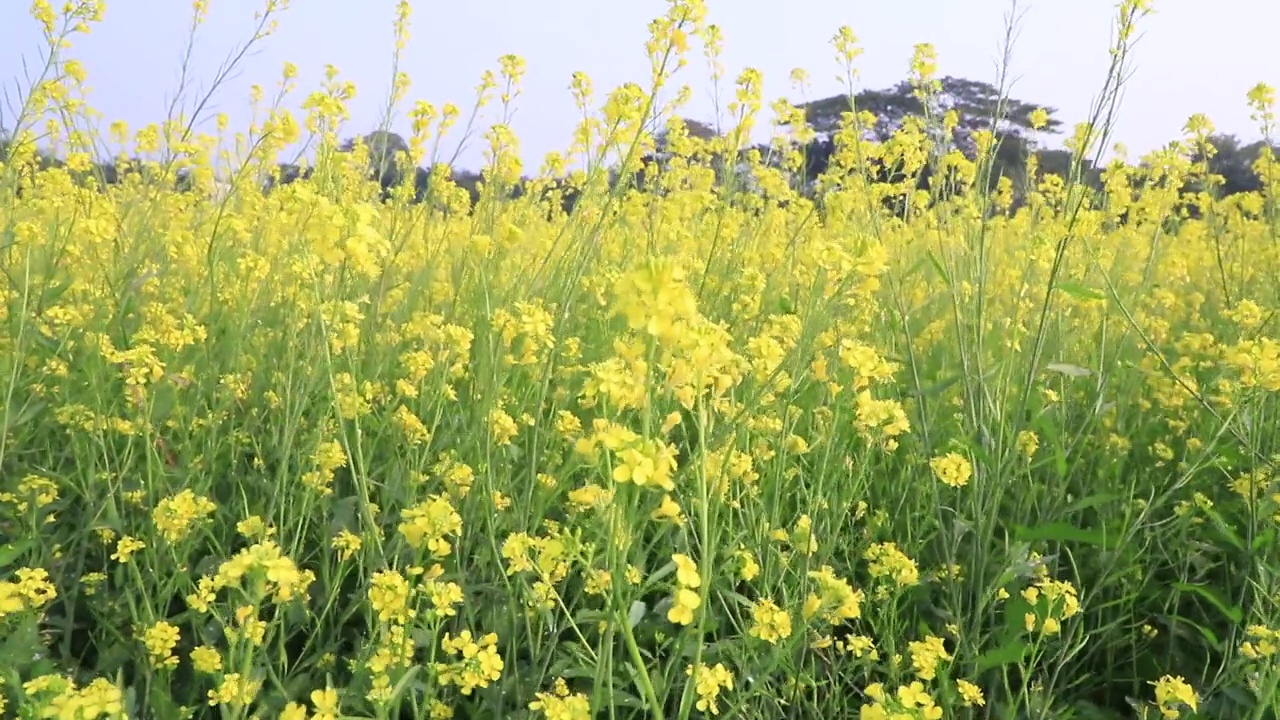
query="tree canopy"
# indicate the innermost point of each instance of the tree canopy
(976, 106)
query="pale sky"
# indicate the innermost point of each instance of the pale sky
(1194, 57)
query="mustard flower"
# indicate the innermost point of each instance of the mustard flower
(560, 704)
(769, 622)
(160, 639)
(478, 662)
(346, 543)
(126, 546)
(206, 659)
(325, 703)
(952, 469)
(708, 682)
(1172, 694)
(970, 694)
(234, 690)
(683, 606)
(389, 596)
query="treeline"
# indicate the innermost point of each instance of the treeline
(971, 105)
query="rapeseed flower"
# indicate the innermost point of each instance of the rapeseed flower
(176, 516)
(952, 469)
(708, 682)
(561, 704)
(1172, 694)
(390, 597)
(769, 622)
(160, 639)
(477, 663)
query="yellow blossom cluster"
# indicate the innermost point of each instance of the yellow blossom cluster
(670, 422)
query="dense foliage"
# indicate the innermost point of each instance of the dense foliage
(892, 445)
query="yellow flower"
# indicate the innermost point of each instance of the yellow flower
(234, 691)
(176, 516)
(952, 469)
(770, 622)
(926, 655)
(834, 600)
(685, 602)
(248, 625)
(970, 694)
(560, 704)
(670, 510)
(749, 569)
(160, 639)
(389, 596)
(254, 528)
(444, 596)
(430, 523)
(91, 581)
(206, 659)
(708, 683)
(1173, 692)
(686, 571)
(346, 543)
(887, 561)
(503, 427)
(478, 662)
(325, 703)
(1028, 442)
(1263, 642)
(126, 546)
(1039, 118)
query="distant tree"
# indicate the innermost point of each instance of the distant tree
(45, 160)
(724, 164)
(1061, 162)
(1232, 164)
(384, 148)
(1233, 161)
(468, 180)
(286, 174)
(658, 160)
(101, 175)
(978, 106)
(691, 127)
(976, 103)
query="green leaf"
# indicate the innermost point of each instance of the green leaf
(661, 573)
(622, 699)
(1062, 532)
(1227, 532)
(636, 613)
(933, 260)
(10, 552)
(21, 644)
(1080, 291)
(936, 388)
(1011, 653)
(1056, 446)
(1068, 369)
(345, 514)
(1232, 613)
(1092, 501)
(577, 672)
(1210, 636)
(398, 691)
(742, 600)
(1264, 540)
(1089, 711)
(914, 268)
(14, 420)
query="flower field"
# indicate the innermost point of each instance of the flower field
(710, 444)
